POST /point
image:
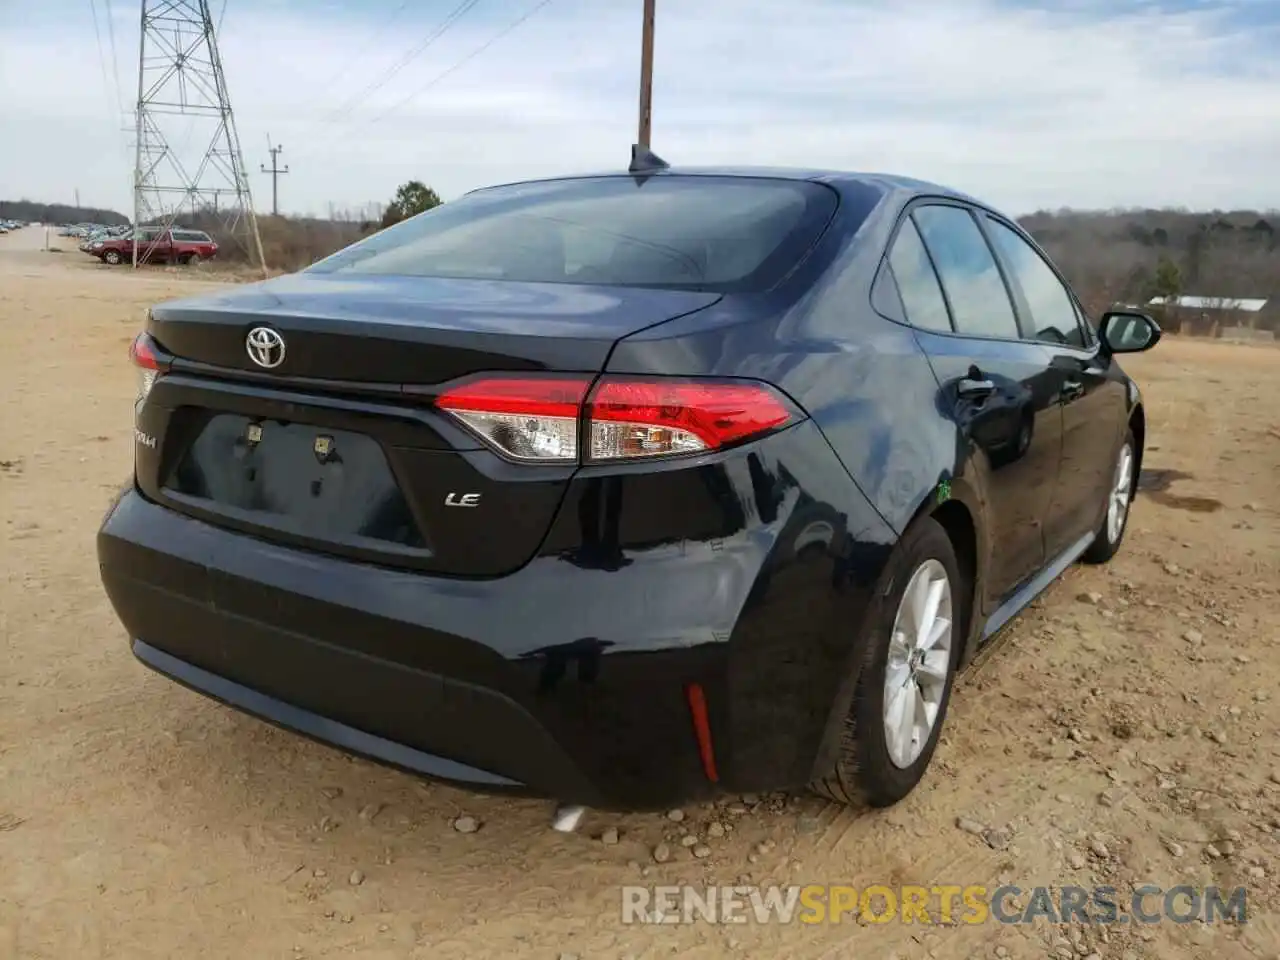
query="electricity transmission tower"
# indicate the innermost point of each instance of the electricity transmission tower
(188, 160)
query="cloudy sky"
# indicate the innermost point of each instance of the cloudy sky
(1028, 103)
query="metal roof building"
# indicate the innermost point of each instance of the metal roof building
(1208, 303)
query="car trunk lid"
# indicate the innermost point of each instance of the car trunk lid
(403, 330)
(338, 447)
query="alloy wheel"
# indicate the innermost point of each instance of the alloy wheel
(919, 663)
(1121, 493)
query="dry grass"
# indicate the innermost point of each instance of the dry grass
(288, 243)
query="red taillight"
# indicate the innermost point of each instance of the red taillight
(625, 418)
(143, 355)
(646, 418)
(526, 418)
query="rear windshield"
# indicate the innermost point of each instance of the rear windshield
(682, 232)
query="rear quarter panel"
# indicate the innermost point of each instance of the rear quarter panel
(863, 379)
(867, 386)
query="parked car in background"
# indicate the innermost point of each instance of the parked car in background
(626, 489)
(192, 246)
(102, 233)
(177, 245)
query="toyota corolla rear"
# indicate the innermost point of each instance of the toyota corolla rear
(400, 502)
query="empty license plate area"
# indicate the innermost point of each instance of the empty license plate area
(309, 481)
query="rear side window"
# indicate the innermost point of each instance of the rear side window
(980, 304)
(682, 232)
(917, 282)
(191, 236)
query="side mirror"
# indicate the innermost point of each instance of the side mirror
(1127, 331)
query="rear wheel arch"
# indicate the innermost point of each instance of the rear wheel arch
(853, 769)
(956, 519)
(1138, 426)
(959, 511)
(957, 516)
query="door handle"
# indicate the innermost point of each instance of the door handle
(1072, 390)
(971, 387)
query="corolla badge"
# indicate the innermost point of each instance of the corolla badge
(265, 347)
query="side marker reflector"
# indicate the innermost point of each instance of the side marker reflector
(702, 729)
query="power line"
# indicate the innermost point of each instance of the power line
(373, 37)
(461, 10)
(115, 59)
(102, 59)
(463, 62)
(438, 78)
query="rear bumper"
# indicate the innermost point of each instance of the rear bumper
(567, 678)
(329, 648)
(311, 724)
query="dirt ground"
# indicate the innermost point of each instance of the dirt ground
(1124, 732)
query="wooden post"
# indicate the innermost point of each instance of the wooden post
(646, 74)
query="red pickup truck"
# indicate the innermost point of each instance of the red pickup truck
(156, 246)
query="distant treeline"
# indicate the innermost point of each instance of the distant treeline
(34, 212)
(1132, 255)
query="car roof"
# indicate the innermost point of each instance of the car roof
(887, 182)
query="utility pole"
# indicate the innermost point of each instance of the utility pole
(275, 172)
(182, 89)
(646, 74)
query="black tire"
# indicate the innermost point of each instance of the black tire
(864, 772)
(113, 257)
(1104, 546)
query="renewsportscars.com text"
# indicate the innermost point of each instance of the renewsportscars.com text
(940, 903)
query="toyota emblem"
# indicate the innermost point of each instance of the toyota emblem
(265, 347)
